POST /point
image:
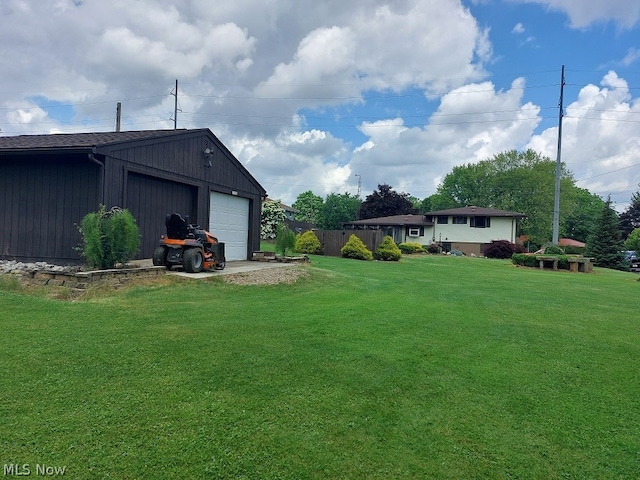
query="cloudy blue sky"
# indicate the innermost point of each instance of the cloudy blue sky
(312, 94)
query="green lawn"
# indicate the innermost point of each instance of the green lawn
(433, 367)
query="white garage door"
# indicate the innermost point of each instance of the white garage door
(229, 221)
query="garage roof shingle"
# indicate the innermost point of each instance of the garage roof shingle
(79, 140)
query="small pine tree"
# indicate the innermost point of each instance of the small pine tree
(605, 242)
(388, 250)
(308, 242)
(355, 248)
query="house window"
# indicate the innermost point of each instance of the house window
(480, 222)
(459, 220)
(414, 232)
(443, 219)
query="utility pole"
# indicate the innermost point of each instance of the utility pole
(556, 200)
(175, 108)
(118, 115)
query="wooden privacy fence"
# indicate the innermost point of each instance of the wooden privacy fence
(333, 240)
(298, 226)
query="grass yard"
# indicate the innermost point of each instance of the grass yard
(433, 367)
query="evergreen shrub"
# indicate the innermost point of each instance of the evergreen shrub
(524, 260)
(108, 237)
(355, 248)
(387, 250)
(308, 243)
(410, 247)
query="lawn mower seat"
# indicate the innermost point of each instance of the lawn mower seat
(176, 227)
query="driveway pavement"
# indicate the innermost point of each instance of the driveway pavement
(238, 266)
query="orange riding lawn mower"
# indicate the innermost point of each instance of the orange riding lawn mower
(188, 245)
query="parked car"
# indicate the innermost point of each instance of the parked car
(634, 263)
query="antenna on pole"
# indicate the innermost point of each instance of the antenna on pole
(556, 200)
(175, 107)
(359, 183)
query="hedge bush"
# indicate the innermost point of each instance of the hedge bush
(553, 250)
(524, 260)
(108, 237)
(410, 247)
(308, 243)
(355, 248)
(387, 250)
(500, 249)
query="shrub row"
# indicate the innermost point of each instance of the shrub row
(388, 250)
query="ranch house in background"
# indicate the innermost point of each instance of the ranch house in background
(467, 229)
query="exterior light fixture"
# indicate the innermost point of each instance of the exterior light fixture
(207, 154)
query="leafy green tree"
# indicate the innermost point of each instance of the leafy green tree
(385, 202)
(605, 242)
(630, 218)
(415, 202)
(308, 207)
(515, 181)
(424, 205)
(578, 221)
(633, 241)
(339, 209)
(272, 216)
(441, 201)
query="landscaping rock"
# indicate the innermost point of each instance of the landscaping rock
(12, 266)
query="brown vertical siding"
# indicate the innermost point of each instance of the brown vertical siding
(150, 199)
(42, 202)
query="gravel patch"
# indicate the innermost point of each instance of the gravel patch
(267, 276)
(12, 266)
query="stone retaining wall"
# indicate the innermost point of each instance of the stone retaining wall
(83, 280)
